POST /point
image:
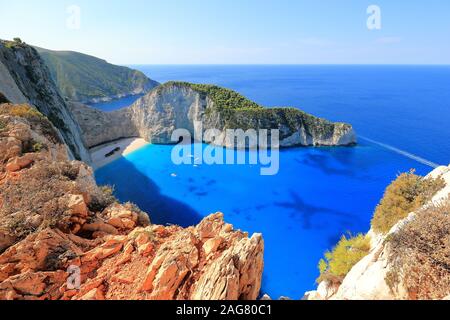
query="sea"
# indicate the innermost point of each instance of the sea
(401, 115)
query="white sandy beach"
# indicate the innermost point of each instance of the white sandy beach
(126, 146)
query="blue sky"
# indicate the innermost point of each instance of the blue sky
(237, 31)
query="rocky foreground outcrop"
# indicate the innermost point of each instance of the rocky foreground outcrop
(409, 262)
(24, 78)
(177, 105)
(63, 237)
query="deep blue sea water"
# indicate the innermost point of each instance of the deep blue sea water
(319, 193)
(116, 104)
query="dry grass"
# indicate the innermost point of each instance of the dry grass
(38, 193)
(420, 254)
(36, 119)
(21, 110)
(406, 194)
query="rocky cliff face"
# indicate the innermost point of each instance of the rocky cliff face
(384, 275)
(165, 109)
(63, 237)
(24, 78)
(181, 106)
(100, 127)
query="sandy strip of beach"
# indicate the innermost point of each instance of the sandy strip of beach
(126, 146)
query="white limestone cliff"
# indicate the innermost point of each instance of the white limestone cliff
(367, 279)
(173, 106)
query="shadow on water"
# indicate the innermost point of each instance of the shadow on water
(321, 162)
(306, 212)
(131, 185)
(338, 162)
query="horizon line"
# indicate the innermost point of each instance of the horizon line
(286, 64)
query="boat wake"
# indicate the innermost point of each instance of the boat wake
(402, 152)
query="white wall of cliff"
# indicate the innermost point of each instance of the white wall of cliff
(156, 115)
(366, 280)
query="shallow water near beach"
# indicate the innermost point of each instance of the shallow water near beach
(319, 193)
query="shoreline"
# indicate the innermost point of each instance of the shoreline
(126, 145)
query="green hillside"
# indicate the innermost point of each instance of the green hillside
(85, 78)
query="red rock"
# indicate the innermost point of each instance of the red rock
(6, 240)
(118, 256)
(101, 226)
(146, 249)
(77, 206)
(94, 294)
(211, 245)
(19, 163)
(29, 283)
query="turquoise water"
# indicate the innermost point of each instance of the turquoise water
(319, 193)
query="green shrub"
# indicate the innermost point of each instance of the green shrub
(9, 44)
(107, 190)
(33, 146)
(37, 146)
(21, 110)
(405, 195)
(222, 98)
(240, 112)
(338, 262)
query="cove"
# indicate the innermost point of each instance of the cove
(318, 195)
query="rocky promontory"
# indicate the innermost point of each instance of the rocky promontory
(179, 105)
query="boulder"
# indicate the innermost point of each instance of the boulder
(171, 264)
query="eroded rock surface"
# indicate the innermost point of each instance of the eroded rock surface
(54, 219)
(101, 127)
